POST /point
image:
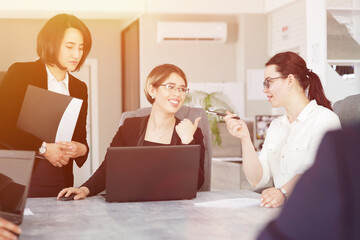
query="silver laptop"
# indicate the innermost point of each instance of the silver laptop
(15, 173)
(152, 173)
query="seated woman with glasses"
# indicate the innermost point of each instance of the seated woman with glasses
(292, 140)
(165, 88)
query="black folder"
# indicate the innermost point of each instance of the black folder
(48, 115)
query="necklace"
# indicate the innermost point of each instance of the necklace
(158, 136)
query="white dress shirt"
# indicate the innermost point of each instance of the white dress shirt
(54, 85)
(290, 148)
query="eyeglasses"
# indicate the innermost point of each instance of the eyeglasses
(266, 83)
(171, 87)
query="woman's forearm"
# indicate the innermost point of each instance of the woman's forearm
(252, 167)
(289, 186)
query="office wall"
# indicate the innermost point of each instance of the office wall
(287, 28)
(252, 54)
(18, 43)
(201, 62)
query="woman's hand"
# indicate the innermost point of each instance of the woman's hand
(73, 149)
(55, 155)
(186, 129)
(272, 197)
(236, 127)
(81, 193)
(7, 230)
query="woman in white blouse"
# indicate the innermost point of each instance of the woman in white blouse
(292, 140)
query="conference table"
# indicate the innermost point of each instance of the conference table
(94, 218)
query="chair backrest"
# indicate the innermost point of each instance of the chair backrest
(348, 109)
(190, 113)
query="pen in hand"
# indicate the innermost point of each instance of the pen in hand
(219, 114)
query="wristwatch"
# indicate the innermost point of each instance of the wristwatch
(283, 191)
(42, 149)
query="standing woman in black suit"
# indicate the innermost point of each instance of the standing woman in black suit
(63, 44)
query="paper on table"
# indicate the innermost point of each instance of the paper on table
(28, 212)
(231, 203)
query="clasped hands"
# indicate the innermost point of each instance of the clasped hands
(186, 129)
(272, 198)
(59, 154)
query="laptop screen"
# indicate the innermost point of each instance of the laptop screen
(15, 173)
(152, 173)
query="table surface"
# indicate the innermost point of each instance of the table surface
(94, 218)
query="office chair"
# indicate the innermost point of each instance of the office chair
(190, 113)
(348, 109)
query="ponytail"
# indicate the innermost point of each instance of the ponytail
(316, 90)
(291, 63)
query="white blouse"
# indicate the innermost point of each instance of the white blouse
(61, 87)
(290, 148)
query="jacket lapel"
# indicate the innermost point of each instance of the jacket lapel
(39, 75)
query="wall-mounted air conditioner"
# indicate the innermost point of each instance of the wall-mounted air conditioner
(192, 31)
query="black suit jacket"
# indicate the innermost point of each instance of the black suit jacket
(47, 180)
(325, 202)
(132, 133)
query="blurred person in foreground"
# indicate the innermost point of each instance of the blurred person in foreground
(325, 202)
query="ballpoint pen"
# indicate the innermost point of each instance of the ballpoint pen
(219, 114)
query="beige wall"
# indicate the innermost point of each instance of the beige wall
(18, 43)
(253, 54)
(201, 62)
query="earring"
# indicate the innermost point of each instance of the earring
(289, 88)
(152, 97)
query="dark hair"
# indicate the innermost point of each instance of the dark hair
(52, 33)
(159, 75)
(291, 63)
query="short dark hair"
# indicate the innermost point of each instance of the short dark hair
(52, 33)
(159, 75)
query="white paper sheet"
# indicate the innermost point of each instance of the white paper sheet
(231, 203)
(68, 121)
(28, 212)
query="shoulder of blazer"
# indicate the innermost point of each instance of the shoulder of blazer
(134, 125)
(33, 73)
(27, 66)
(134, 122)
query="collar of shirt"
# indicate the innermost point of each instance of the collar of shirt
(52, 80)
(304, 114)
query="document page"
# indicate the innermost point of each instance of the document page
(28, 212)
(231, 203)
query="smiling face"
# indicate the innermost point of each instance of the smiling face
(277, 92)
(71, 49)
(169, 101)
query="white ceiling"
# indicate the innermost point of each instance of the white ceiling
(120, 9)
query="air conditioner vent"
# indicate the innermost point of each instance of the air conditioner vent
(192, 31)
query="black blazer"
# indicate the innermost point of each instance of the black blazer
(132, 133)
(325, 201)
(47, 180)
